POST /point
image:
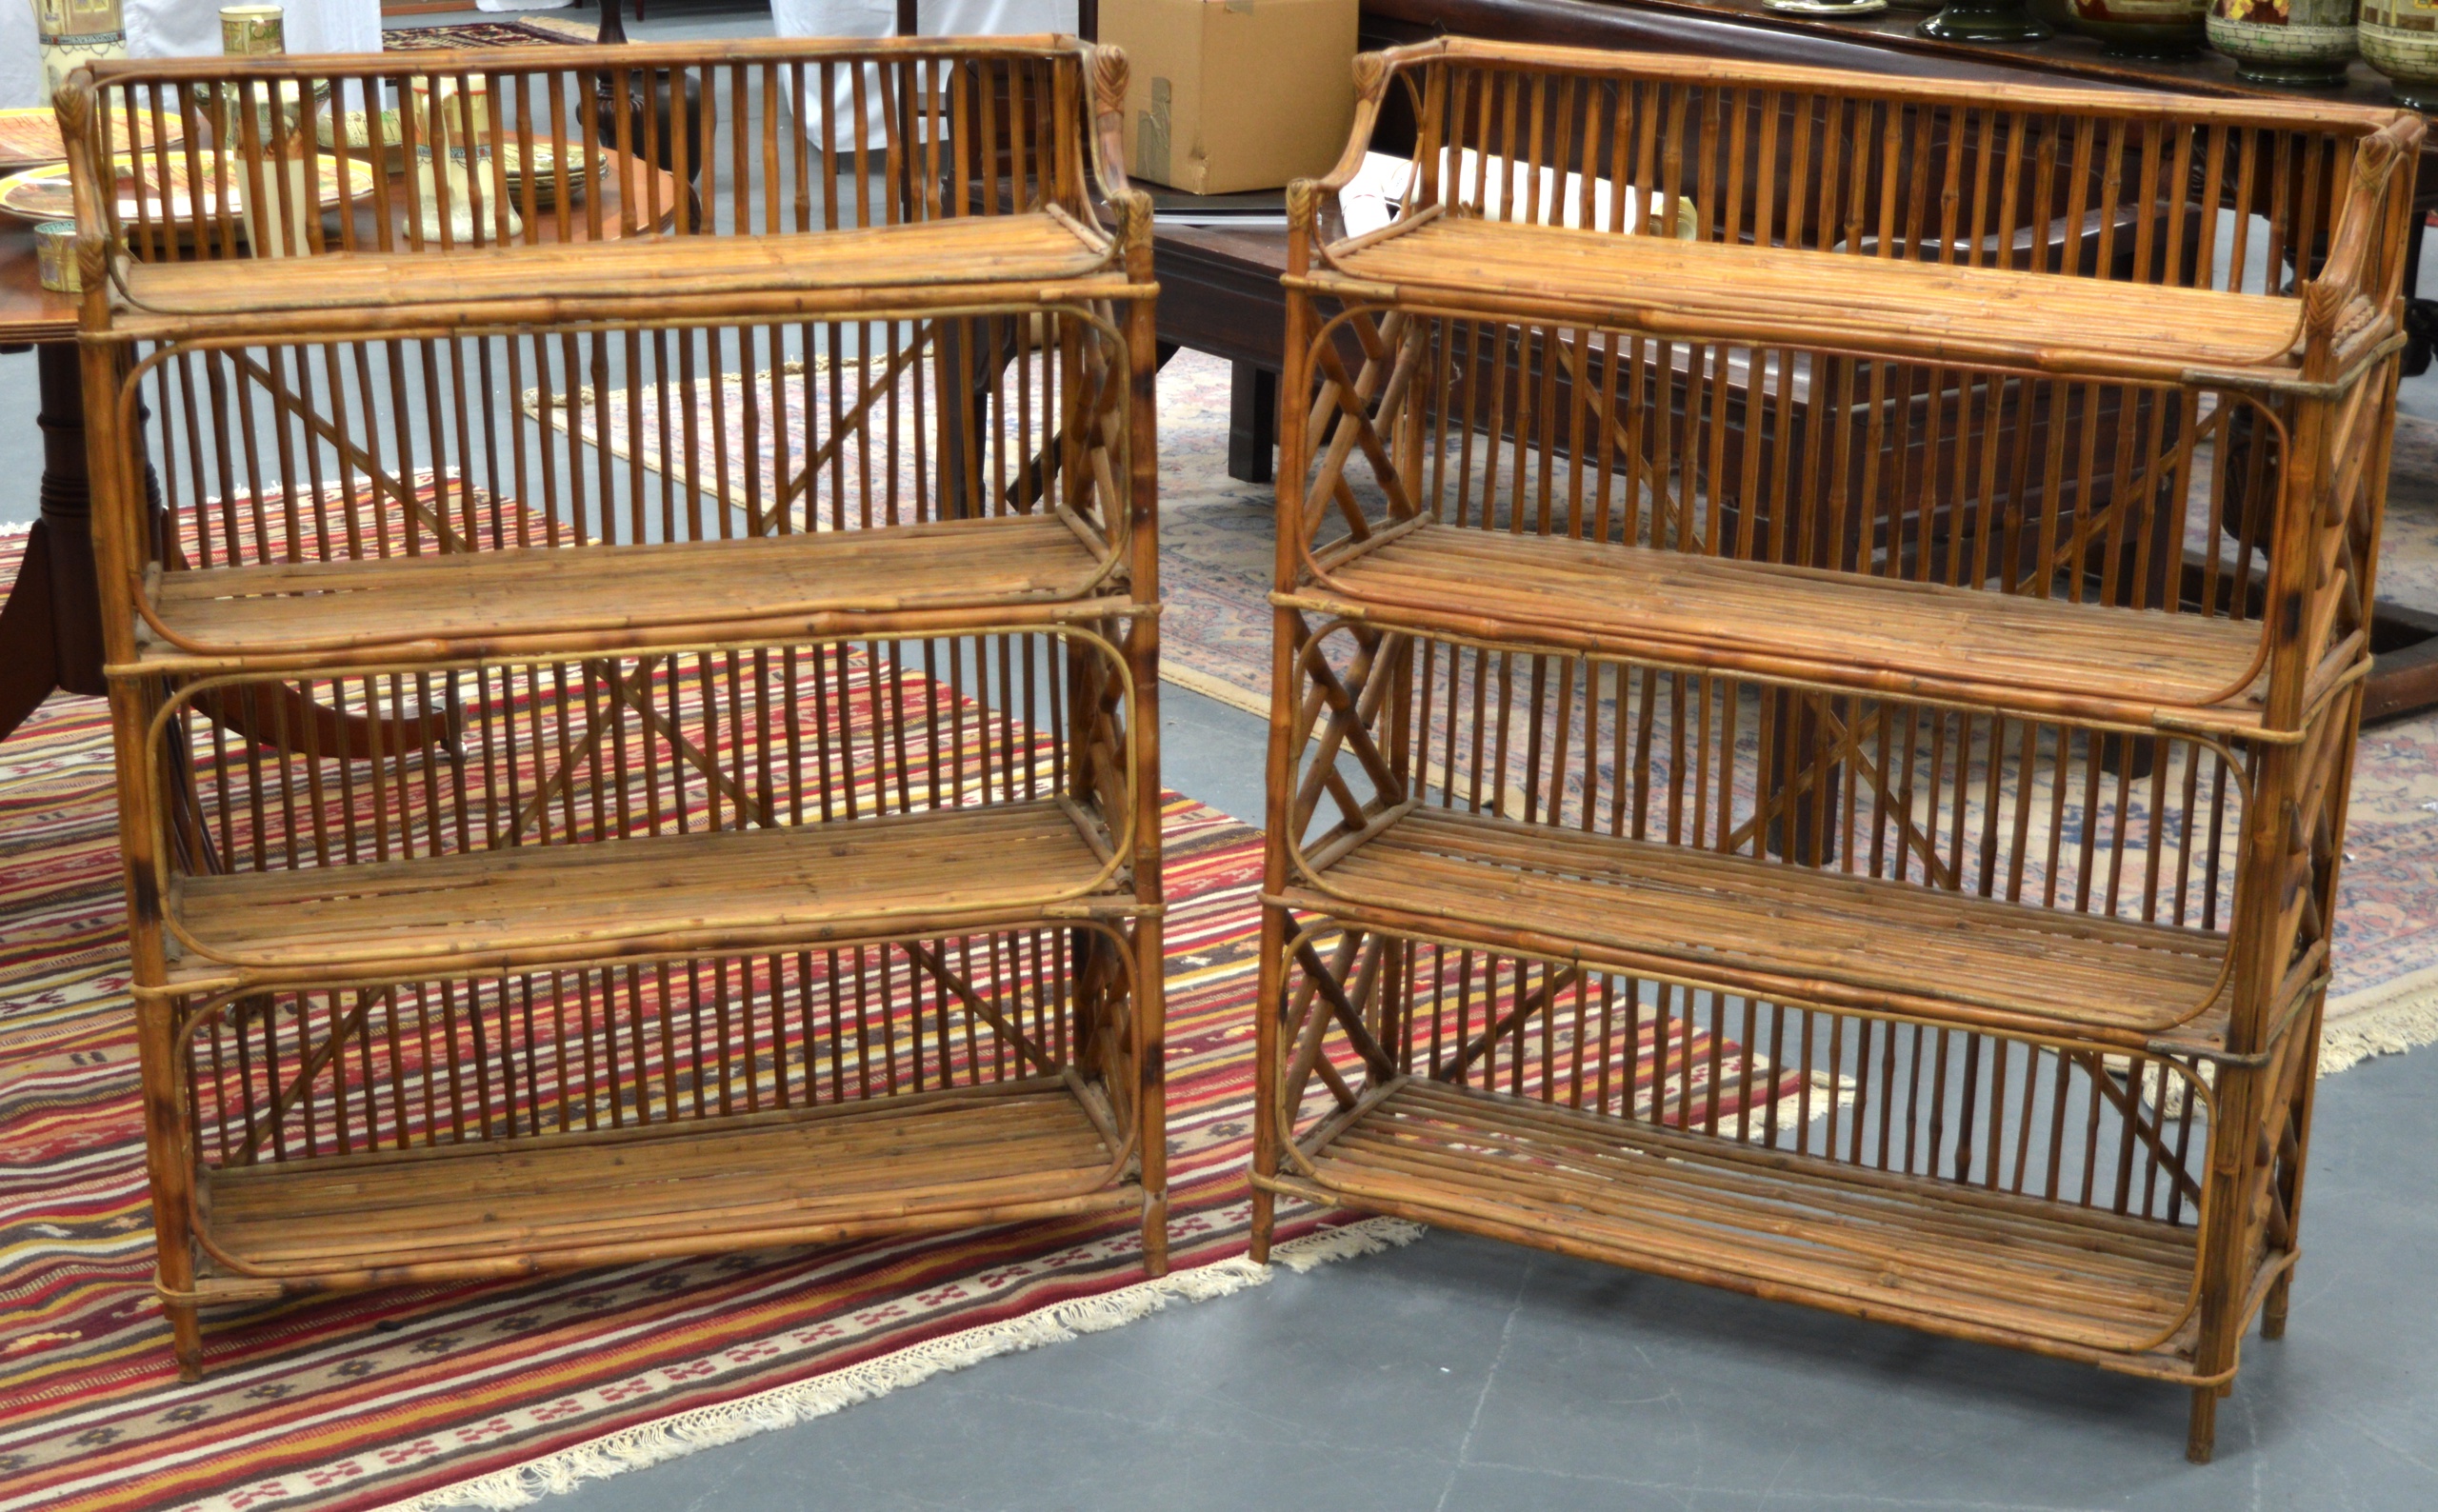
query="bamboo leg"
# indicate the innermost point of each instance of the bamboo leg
(2201, 1438)
(1286, 636)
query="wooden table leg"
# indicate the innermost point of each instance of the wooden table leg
(50, 629)
(1252, 423)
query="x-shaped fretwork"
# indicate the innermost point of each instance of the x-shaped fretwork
(1353, 705)
(1306, 1024)
(1345, 405)
(631, 691)
(2089, 523)
(1846, 748)
(285, 401)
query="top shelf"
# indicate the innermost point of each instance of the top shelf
(1957, 316)
(1037, 257)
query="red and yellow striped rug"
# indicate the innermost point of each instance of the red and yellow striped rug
(407, 1396)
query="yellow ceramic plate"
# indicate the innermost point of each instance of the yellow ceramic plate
(42, 194)
(30, 135)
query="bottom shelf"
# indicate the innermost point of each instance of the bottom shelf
(1971, 1263)
(1040, 1147)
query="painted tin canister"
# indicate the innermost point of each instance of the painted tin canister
(2301, 42)
(252, 31)
(2400, 39)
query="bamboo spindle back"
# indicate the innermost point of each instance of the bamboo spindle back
(795, 136)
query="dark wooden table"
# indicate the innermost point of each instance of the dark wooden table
(50, 628)
(1219, 290)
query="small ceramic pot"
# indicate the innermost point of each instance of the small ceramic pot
(2400, 39)
(2142, 29)
(2305, 44)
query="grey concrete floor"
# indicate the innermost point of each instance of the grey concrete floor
(1461, 1373)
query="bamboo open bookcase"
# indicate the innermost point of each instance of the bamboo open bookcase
(566, 821)
(1809, 751)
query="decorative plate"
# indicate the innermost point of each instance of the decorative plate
(43, 194)
(30, 134)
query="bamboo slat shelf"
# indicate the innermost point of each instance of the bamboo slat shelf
(1809, 753)
(635, 686)
(529, 600)
(995, 260)
(777, 888)
(1743, 925)
(1928, 640)
(1990, 1267)
(1962, 315)
(1024, 1150)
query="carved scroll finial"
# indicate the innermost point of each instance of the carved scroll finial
(2323, 302)
(2374, 157)
(1371, 75)
(1108, 79)
(92, 260)
(1303, 196)
(73, 102)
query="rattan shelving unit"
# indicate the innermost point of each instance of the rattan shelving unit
(564, 825)
(1809, 753)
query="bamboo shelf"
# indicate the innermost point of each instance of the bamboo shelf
(1809, 753)
(636, 680)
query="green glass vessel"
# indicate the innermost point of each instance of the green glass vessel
(1983, 21)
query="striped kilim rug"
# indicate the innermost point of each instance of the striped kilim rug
(408, 1395)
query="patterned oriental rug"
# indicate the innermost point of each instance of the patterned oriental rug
(433, 1396)
(1215, 548)
(531, 32)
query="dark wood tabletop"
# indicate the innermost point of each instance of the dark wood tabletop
(1886, 42)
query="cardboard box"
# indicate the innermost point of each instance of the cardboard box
(1228, 95)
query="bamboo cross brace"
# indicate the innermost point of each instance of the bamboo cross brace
(2137, 486)
(1309, 709)
(1354, 709)
(1849, 750)
(921, 955)
(1542, 997)
(355, 455)
(303, 1081)
(1331, 476)
(1350, 400)
(2094, 1064)
(1348, 1016)
(1032, 484)
(1664, 503)
(632, 695)
(852, 423)
(1310, 1029)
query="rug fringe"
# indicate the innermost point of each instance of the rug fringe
(2386, 1020)
(674, 1437)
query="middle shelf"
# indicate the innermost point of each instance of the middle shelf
(519, 596)
(1741, 923)
(727, 889)
(1878, 634)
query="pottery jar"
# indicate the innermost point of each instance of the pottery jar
(2301, 43)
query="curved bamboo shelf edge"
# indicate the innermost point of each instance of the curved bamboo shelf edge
(2346, 664)
(1087, 1170)
(1466, 929)
(1095, 590)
